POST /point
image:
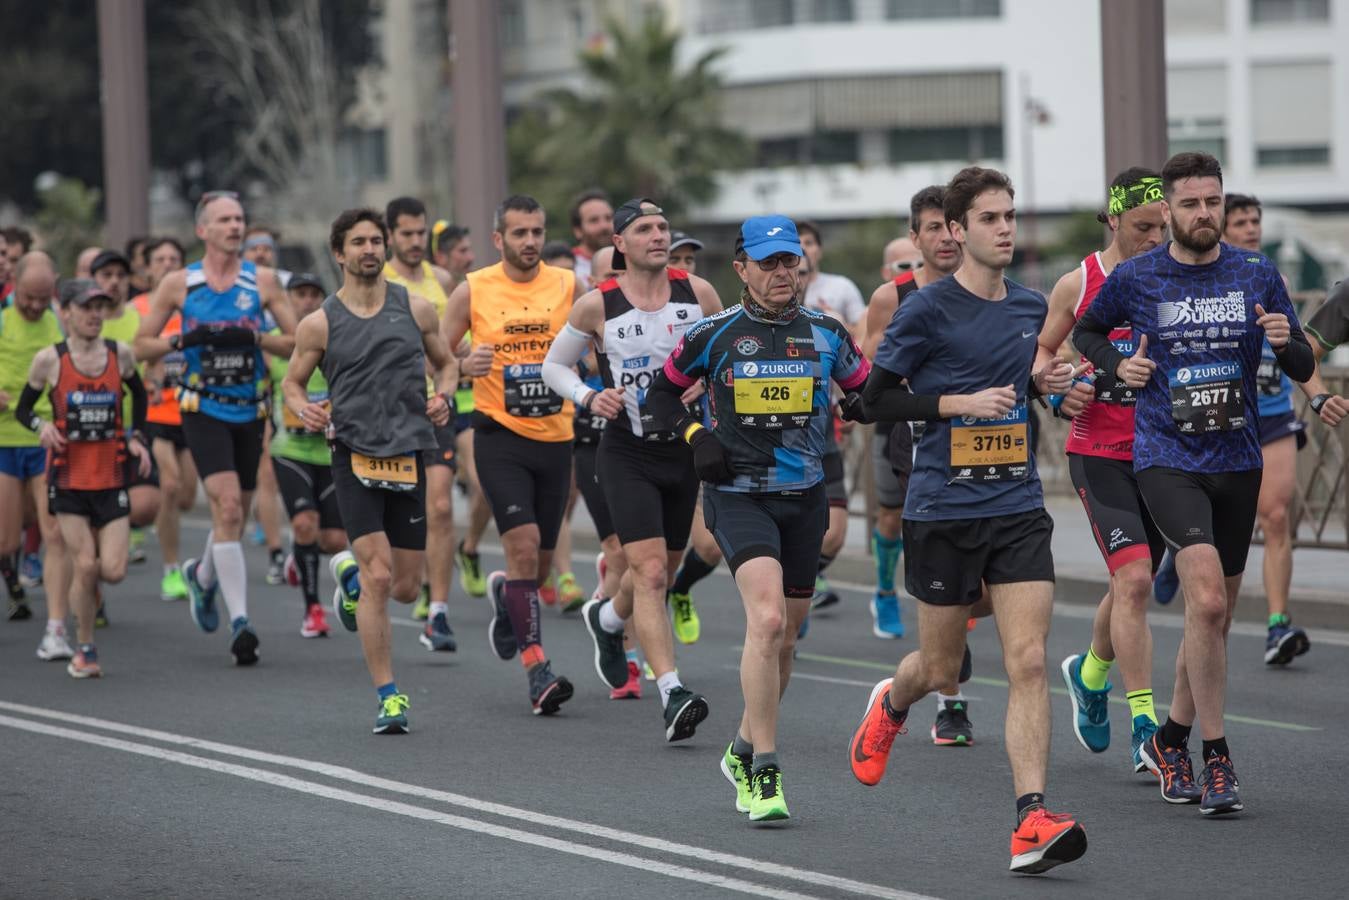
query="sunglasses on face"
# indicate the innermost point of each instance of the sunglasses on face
(787, 260)
(904, 265)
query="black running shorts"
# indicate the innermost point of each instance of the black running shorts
(99, 507)
(219, 446)
(585, 456)
(788, 526)
(1216, 508)
(1120, 521)
(306, 486)
(947, 563)
(401, 515)
(155, 431)
(651, 487)
(443, 454)
(526, 482)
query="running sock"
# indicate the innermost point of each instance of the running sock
(764, 760)
(741, 747)
(232, 573)
(887, 560)
(386, 691)
(307, 561)
(1095, 670)
(1277, 619)
(1173, 734)
(532, 656)
(1216, 747)
(957, 697)
(1027, 803)
(630, 654)
(666, 683)
(691, 571)
(90, 652)
(56, 626)
(824, 563)
(609, 619)
(896, 715)
(522, 606)
(206, 564)
(1140, 704)
(438, 607)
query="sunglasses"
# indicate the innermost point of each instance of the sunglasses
(904, 265)
(787, 261)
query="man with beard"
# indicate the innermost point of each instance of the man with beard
(592, 225)
(1200, 312)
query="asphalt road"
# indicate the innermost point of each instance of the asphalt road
(179, 775)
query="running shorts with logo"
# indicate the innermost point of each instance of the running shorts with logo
(1217, 508)
(975, 508)
(301, 458)
(788, 526)
(87, 477)
(525, 482)
(650, 486)
(366, 508)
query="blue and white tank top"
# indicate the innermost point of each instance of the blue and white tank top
(229, 380)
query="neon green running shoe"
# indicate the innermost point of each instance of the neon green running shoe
(736, 769)
(348, 593)
(687, 626)
(471, 578)
(392, 718)
(173, 586)
(766, 800)
(421, 610)
(570, 593)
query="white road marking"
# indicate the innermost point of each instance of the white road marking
(341, 773)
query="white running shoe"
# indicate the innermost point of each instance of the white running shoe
(54, 646)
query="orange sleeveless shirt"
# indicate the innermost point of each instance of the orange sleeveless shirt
(87, 410)
(164, 409)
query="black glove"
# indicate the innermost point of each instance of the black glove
(851, 409)
(709, 458)
(228, 336)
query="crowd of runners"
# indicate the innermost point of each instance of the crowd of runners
(696, 429)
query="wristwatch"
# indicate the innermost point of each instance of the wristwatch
(1317, 402)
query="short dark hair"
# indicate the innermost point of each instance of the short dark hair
(17, 234)
(403, 206)
(554, 250)
(967, 185)
(129, 251)
(347, 220)
(1241, 201)
(931, 197)
(514, 203)
(1189, 165)
(813, 227)
(449, 236)
(154, 243)
(581, 200)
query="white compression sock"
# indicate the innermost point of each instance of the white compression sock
(609, 619)
(233, 576)
(942, 698)
(206, 564)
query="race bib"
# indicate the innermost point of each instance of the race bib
(773, 394)
(526, 395)
(91, 415)
(991, 449)
(1207, 398)
(227, 366)
(175, 369)
(1269, 378)
(293, 423)
(386, 473)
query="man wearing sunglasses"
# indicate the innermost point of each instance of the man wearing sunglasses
(767, 363)
(223, 300)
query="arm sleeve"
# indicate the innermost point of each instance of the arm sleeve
(850, 366)
(23, 413)
(558, 373)
(1330, 323)
(139, 401)
(1091, 336)
(886, 399)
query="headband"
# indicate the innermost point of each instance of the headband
(1131, 196)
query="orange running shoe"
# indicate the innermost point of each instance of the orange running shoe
(85, 664)
(871, 744)
(633, 689)
(1044, 840)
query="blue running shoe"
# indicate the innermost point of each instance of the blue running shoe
(1285, 641)
(1171, 765)
(30, 570)
(1219, 781)
(393, 715)
(1143, 730)
(885, 621)
(202, 599)
(805, 627)
(1091, 709)
(348, 593)
(438, 635)
(1166, 582)
(244, 646)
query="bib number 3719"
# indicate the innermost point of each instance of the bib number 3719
(990, 449)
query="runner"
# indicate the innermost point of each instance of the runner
(452, 249)
(406, 219)
(835, 295)
(260, 249)
(222, 300)
(767, 363)
(27, 326)
(934, 255)
(592, 225)
(1201, 311)
(303, 464)
(522, 432)
(372, 341)
(164, 426)
(88, 451)
(1100, 462)
(634, 321)
(974, 513)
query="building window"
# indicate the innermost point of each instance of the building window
(1197, 135)
(512, 23)
(958, 144)
(942, 9)
(823, 148)
(1288, 12)
(1296, 107)
(1292, 156)
(361, 154)
(832, 11)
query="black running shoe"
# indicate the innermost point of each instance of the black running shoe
(500, 633)
(953, 728)
(1219, 781)
(547, 691)
(683, 711)
(610, 661)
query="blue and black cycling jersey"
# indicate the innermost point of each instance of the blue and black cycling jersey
(768, 391)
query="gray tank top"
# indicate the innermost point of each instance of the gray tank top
(376, 371)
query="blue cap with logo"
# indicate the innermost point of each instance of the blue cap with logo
(762, 236)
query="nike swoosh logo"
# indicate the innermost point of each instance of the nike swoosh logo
(416, 520)
(1031, 840)
(858, 753)
(1028, 334)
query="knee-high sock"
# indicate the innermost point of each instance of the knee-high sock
(691, 571)
(232, 574)
(522, 605)
(206, 564)
(888, 551)
(307, 561)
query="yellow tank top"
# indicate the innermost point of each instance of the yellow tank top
(519, 320)
(124, 331)
(428, 288)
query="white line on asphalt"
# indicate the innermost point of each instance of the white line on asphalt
(314, 767)
(404, 809)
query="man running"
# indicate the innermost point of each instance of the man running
(27, 326)
(592, 225)
(372, 341)
(1201, 311)
(1100, 462)
(88, 449)
(522, 431)
(974, 513)
(222, 300)
(406, 218)
(767, 363)
(302, 461)
(634, 321)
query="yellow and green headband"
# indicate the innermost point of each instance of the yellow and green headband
(1131, 196)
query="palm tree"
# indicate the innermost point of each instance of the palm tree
(642, 128)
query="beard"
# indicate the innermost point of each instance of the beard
(515, 259)
(1200, 238)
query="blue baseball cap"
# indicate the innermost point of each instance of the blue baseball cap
(763, 236)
